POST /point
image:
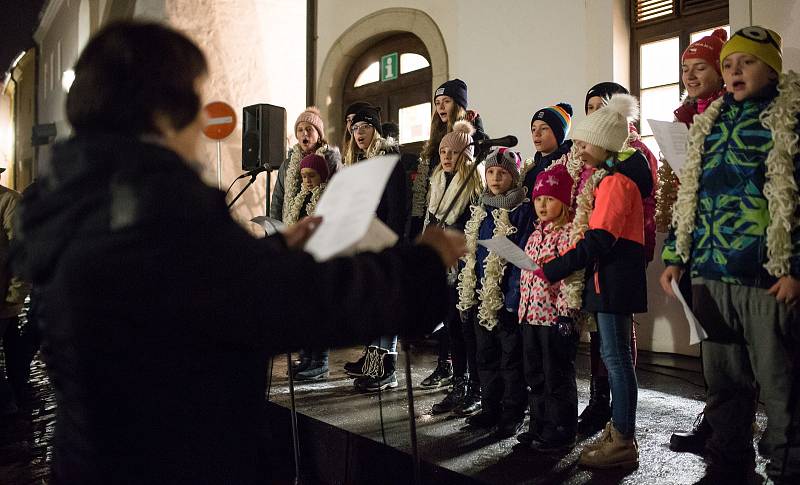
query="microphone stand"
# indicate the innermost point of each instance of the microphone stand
(482, 152)
(412, 422)
(249, 183)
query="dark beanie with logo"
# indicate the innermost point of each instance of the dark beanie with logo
(371, 115)
(456, 89)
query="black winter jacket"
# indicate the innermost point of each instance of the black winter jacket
(163, 313)
(612, 250)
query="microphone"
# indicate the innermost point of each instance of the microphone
(506, 141)
(253, 172)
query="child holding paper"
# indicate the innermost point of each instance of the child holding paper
(611, 250)
(735, 228)
(549, 332)
(488, 294)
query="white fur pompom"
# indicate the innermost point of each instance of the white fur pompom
(463, 126)
(624, 104)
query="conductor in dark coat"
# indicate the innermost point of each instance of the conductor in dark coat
(162, 311)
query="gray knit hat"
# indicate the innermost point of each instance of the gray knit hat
(608, 126)
(506, 159)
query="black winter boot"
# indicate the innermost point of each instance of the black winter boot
(472, 400)
(381, 375)
(356, 369)
(453, 399)
(595, 416)
(695, 440)
(441, 376)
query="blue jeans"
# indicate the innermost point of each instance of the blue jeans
(615, 348)
(388, 342)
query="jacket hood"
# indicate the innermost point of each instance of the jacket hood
(633, 164)
(90, 185)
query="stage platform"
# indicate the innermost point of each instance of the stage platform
(342, 440)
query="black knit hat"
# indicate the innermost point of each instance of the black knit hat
(456, 89)
(355, 107)
(558, 118)
(369, 114)
(604, 90)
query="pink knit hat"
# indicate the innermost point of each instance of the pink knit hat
(555, 182)
(459, 138)
(311, 115)
(317, 163)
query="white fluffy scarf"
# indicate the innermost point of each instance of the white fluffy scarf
(780, 188)
(490, 295)
(442, 195)
(296, 203)
(291, 184)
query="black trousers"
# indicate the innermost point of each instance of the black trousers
(549, 357)
(461, 337)
(499, 359)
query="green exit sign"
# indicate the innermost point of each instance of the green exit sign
(390, 67)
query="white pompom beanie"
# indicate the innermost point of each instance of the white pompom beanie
(608, 126)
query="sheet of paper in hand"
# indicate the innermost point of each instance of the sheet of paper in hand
(509, 251)
(270, 225)
(696, 331)
(672, 139)
(348, 205)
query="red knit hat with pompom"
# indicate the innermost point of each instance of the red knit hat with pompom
(707, 49)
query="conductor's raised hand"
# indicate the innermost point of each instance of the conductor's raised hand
(449, 244)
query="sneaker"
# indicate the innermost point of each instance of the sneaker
(483, 419)
(508, 427)
(695, 440)
(453, 399)
(441, 376)
(615, 451)
(471, 403)
(356, 369)
(316, 371)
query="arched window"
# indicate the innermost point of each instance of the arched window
(402, 92)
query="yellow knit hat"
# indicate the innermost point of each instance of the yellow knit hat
(756, 41)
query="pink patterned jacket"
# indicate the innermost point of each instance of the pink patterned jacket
(540, 303)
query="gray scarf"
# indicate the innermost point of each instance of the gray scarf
(507, 201)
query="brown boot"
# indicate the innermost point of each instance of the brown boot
(598, 443)
(612, 452)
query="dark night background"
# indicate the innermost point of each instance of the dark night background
(18, 19)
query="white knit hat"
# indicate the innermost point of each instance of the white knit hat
(608, 126)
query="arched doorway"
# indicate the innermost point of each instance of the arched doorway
(395, 74)
(361, 36)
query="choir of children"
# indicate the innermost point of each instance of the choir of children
(583, 210)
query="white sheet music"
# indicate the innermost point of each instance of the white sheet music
(348, 205)
(696, 331)
(503, 247)
(270, 225)
(672, 139)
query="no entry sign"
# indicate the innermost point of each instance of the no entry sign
(220, 120)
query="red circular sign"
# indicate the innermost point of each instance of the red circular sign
(220, 120)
